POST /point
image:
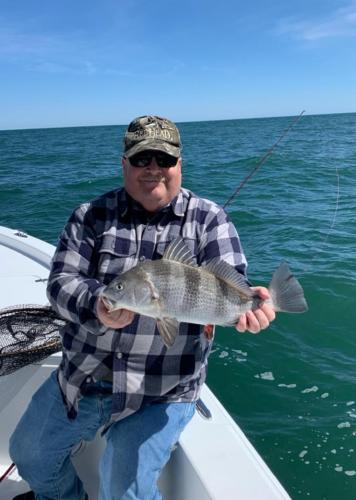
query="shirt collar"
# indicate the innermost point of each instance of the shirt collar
(177, 204)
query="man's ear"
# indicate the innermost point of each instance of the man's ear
(123, 163)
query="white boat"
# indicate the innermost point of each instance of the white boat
(213, 459)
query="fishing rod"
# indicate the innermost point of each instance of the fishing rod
(263, 159)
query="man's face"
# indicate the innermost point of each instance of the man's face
(152, 186)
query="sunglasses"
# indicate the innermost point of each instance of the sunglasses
(144, 159)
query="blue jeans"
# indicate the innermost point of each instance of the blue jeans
(137, 447)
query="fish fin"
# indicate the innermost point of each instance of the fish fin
(178, 251)
(168, 329)
(208, 331)
(286, 292)
(154, 291)
(228, 273)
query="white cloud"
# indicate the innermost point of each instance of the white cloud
(47, 53)
(339, 23)
(75, 53)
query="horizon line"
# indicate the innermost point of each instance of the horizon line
(54, 127)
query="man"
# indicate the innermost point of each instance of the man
(116, 372)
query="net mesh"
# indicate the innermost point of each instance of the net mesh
(28, 334)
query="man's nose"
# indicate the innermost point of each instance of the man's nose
(153, 165)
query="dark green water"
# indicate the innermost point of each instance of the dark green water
(291, 388)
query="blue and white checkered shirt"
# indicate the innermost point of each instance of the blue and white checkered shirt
(102, 239)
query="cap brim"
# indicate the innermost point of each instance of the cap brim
(149, 145)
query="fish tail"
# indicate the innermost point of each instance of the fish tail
(286, 292)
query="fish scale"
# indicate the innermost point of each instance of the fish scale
(191, 293)
(174, 289)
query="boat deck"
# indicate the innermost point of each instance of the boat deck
(213, 459)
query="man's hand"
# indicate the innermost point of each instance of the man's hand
(259, 319)
(115, 319)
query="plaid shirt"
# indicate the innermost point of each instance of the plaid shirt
(102, 239)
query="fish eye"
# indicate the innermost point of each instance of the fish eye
(120, 286)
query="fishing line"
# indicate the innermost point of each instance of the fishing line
(263, 159)
(336, 206)
(324, 240)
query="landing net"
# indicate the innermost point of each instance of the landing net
(28, 334)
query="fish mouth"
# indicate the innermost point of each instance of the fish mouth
(108, 303)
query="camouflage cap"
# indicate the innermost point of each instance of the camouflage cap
(152, 133)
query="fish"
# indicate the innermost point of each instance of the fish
(174, 289)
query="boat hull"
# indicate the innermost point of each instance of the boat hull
(213, 458)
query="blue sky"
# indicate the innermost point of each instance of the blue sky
(69, 63)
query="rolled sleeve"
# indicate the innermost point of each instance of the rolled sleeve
(221, 240)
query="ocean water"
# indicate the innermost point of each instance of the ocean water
(292, 387)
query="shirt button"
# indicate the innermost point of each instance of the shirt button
(119, 355)
(142, 258)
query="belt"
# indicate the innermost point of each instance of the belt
(107, 377)
(98, 388)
